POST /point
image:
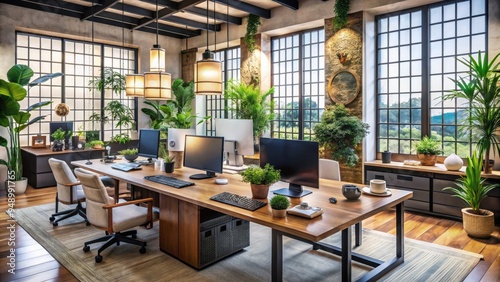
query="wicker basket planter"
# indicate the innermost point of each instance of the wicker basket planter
(427, 159)
(478, 225)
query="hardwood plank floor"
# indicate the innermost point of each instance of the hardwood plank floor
(33, 263)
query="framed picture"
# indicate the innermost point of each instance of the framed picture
(38, 141)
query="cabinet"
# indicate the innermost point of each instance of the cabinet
(427, 185)
(36, 163)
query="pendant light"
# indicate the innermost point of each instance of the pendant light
(157, 83)
(134, 83)
(208, 72)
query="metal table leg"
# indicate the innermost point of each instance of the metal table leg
(346, 254)
(358, 229)
(276, 256)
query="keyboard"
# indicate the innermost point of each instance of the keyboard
(169, 181)
(238, 201)
(126, 166)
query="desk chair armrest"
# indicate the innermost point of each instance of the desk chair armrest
(149, 222)
(72, 184)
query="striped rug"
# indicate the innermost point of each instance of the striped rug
(423, 261)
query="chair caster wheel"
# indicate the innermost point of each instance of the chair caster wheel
(134, 236)
(87, 223)
(55, 223)
(86, 248)
(142, 250)
(98, 259)
(52, 218)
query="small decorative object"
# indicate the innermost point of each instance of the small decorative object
(74, 142)
(342, 57)
(260, 179)
(344, 86)
(377, 186)
(279, 204)
(61, 110)
(169, 164)
(38, 141)
(386, 157)
(411, 162)
(96, 144)
(351, 192)
(129, 154)
(58, 143)
(453, 162)
(80, 145)
(427, 151)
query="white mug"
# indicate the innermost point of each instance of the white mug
(377, 186)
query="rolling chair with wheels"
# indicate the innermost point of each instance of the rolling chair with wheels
(113, 218)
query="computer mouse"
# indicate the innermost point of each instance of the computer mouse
(221, 181)
(333, 200)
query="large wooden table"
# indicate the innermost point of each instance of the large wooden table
(179, 209)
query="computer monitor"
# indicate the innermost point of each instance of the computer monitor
(204, 153)
(297, 160)
(64, 125)
(238, 138)
(149, 142)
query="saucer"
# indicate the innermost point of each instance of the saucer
(387, 192)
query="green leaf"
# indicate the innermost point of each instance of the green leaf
(4, 121)
(3, 142)
(13, 90)
(38, 105)
(35, 120)
(20, 74)
(21, 117)
(44, 78)
(8, 106)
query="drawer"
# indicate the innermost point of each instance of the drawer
(419, 195)
(439, 184)
(400, 180)
(417, 205)
(447, 210)
(447, 199)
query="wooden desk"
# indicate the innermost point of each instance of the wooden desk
(179, 209)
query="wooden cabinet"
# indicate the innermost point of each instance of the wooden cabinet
(36, 163)
(427, 184)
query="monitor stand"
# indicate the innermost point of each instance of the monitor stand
(209, 174)
(293, 191)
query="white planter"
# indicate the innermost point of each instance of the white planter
(453, 162)
(19, 186)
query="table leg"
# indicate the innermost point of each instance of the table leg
(358, 229)
(346, 254)
(117, 190)
(277, 256)
(400, 252)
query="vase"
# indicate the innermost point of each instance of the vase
(169, 167)
(351, 192)
(427, 159)
(19, 186)
(453, 162)
(57, 146)
(130, 158)
(259, 191)
(279, 213)
(386, 157)
(74, 142)
(478, 225)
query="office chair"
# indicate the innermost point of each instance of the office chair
(113, 218)
(329, 169)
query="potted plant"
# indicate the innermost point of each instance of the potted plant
(12, 92)
(169, 163)
(481, 95)
(96, 144)
(472, 189)
(58, 136)
(427, 151)
(260, 178)
(341, 133)
(129, 154)
(279, 204)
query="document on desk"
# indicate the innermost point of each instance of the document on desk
(309, 212)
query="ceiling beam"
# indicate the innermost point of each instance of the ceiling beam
(64, 8)
(173, 29)
(98, 8)
(218, 16)
(292, 4)
(245, 7)
(192, 23)
(166, 12)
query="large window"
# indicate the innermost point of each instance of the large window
(80, 62)
(216, 104)
(417, 52)
(298, 78)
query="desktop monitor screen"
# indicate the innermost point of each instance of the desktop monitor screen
(297, 160)
(64, 125)
(204, 153)
(240, 131)
(149, 142)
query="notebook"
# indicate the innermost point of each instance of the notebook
(126, 166)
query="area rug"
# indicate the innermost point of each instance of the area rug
(423, 261)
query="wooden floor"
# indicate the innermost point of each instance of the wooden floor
(33, 263)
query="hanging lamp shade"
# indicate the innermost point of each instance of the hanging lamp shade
(134, 85)
(208, 75)
(157, 58)
(157, 86)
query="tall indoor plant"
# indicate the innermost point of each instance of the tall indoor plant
(12, 92)
(482, 95)
(472, 189)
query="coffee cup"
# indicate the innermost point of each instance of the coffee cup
(377, 186)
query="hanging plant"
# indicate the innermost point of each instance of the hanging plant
(341, 9)
(253, 24)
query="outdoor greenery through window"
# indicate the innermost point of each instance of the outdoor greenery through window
(298, 78)
(417, 53)
(80, 62)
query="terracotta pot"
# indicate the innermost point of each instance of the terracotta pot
(259, 191)
(427, 160)
(478, 225)
(279, 213)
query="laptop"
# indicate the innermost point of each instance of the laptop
(126, 166)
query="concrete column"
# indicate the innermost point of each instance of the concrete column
(256, 66)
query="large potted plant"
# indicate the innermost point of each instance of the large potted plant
(12, 92)
(260, 179)
(427, 151)
(340, 133)
(482, 100)
(472, 189)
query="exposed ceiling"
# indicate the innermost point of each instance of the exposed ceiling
(176, 18)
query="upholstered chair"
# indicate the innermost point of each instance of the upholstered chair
(115, 219)
(329, 169)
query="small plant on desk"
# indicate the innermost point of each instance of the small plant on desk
(169, 163)
(260, 178)
(58, 136)
(96, 144)
(279, 204)
(129, 154)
